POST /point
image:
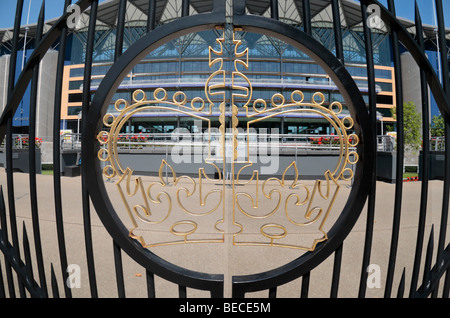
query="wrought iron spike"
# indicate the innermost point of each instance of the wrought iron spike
(428, 259)
(401, 286)
(54, 282)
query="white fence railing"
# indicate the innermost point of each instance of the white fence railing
(158, 140)
(72, 141)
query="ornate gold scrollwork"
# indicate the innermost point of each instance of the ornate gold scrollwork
(193, 209)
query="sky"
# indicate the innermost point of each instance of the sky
(54, 8)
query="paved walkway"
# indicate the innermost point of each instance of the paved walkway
(226, 258)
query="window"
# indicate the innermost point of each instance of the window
(75, 98)
(384, 99)
(74, 110)
(100, 69)
(75, 85)
(77, 72)
(386, 87)
(383, 74)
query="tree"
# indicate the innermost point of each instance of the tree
(412, 125)
(437, 126)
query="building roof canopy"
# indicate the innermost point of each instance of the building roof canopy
(166, 10)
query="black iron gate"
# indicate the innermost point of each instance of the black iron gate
(25, 270)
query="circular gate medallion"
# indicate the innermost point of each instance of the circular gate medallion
(216, 187)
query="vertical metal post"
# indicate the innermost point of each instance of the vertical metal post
(32, 159)
(424, 168)
(274, 9)
(305, 285)
(340, 55)
(446, 86)
(120, 29)
(119, 270)
(400, 157)
(4, 240)
(336, 272)
(307, 16)
(150, 284)
(2, 284)
(337, 28)
(185, 8)
(118, 52)
(86, 98)
(57, 155)
(373, 117)
(9, 141)
(151, 15)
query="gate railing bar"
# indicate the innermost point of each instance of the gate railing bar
(119, 270)
(27, 255)
(32, 160)
(2, 284)
(3, 240)
(428, 259)
(373, 117)
(425, 163)
(182, 292)
(274, 14)
(151, 23)
(86, 97)
(400, 156)
(120, 28)
(185, 8)
(9, 141)
(336, 272)
(56, 155)
(337, 30)
(340, 55)
(446, 86)
(150, 284)
(273, 292)
(305, 285)
(54, 282)
(401, 285)
(307, 17)
(445, 292)
(151, 15)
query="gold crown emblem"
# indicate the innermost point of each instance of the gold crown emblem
(176, 209)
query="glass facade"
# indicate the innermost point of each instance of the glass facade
(274, 68)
